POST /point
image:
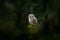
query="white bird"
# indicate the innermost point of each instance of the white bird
(33, 20)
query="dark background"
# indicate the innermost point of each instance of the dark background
(14, 19)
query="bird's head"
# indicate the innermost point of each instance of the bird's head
(31, 16)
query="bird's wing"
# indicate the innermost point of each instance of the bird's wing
(35, 21)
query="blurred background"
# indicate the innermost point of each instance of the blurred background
(14, 19)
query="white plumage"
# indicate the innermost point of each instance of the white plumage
(32, 19)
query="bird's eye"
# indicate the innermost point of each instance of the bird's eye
(32, 16)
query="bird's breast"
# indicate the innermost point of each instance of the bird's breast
(31, 22)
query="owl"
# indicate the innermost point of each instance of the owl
(33, 20)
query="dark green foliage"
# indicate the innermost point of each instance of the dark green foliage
(14, 19)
